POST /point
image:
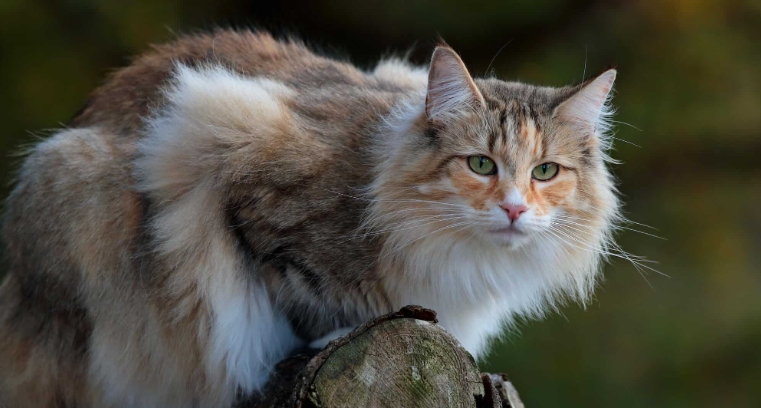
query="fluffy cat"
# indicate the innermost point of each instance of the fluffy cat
(229, 197)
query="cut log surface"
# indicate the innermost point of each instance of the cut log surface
(403, 359)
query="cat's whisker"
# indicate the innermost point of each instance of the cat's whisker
(586, 232)
(614, 227)
(571, 222)
(577, 220)
(636, 266)
(619, 227)
(627, 221)
(573, 217)
(623, 220)
(629, 257)
(407, 243)
(636, 261)
(627, 124)
(555, 226)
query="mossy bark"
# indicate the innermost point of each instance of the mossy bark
(403, 359)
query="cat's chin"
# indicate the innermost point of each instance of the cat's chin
(509, 237)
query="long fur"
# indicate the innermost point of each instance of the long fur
(229, 197)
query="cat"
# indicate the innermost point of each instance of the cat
(230, 197)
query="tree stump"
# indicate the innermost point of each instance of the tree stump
(402, 359)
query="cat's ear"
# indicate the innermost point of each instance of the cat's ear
(588, 108)
(450, 87)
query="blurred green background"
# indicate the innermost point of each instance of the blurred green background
(689, 84)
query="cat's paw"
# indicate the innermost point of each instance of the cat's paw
(320, 343)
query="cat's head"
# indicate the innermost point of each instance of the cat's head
(504, 164)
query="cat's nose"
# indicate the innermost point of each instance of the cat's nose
(514, 211)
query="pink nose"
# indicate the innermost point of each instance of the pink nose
(514, 211)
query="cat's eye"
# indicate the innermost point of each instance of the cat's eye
(545, 171)
(482, 165)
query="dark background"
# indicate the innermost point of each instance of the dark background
(689, 84)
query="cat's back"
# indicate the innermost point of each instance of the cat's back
(132, 93)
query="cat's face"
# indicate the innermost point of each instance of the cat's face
(500, 171)
(507, 163)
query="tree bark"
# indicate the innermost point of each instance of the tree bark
(402, 359)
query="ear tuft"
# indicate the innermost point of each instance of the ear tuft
(589, 108)
(450, 87)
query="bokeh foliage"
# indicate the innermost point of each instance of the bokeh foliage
(689, 99)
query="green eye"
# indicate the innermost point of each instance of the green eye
(482, 165)
(544, 172)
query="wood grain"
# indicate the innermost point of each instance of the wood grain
(402, 359)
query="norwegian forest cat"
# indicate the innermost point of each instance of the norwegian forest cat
(230, 197)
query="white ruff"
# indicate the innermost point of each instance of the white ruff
(477, 289)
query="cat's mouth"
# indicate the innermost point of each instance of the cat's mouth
(508, 231)
(509, 236)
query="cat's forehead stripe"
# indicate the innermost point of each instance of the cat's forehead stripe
(518, 133)
(520, 119)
